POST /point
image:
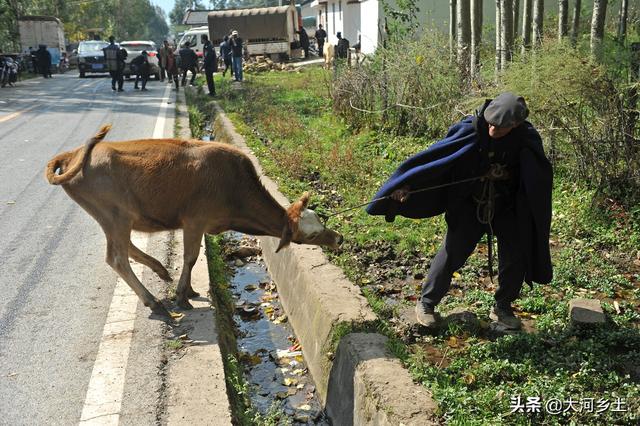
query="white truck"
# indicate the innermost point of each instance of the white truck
(47, 30)
(269, 31)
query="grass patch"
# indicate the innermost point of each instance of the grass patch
(175, 344)
(288, 121)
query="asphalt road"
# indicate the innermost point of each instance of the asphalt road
(56, 287)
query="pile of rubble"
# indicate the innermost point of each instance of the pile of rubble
(263, 64)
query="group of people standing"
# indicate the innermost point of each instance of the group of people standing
(231, 50)
(320, 35)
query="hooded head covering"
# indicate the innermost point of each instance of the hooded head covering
(506, 110)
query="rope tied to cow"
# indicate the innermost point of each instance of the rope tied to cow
(485, 210)
(430, 188)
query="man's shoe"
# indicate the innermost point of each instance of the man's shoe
(506, 317)
(425, 315)
(144, 89)
(136, 87)
(113, 88)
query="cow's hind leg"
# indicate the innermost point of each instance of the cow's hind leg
(118, 259)
(139, 256)
(191, 239)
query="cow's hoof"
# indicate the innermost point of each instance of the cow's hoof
(192, 294)
(184, 304)
(164, 275)
(158, 309)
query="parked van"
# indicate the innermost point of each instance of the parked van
(194, 39)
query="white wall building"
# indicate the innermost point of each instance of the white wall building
(365, 18)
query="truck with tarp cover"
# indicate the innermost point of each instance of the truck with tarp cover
(46, 30)
(269, 31)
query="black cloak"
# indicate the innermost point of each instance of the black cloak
(463, 154)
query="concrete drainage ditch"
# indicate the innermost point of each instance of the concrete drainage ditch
(269, 354)
(357, 380)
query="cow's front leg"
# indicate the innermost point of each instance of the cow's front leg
(192, 239)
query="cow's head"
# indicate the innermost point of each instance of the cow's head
(304, 227)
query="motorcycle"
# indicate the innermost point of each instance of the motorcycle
(8, 71)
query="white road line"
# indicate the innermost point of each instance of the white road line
(104, 395)
(158, 131)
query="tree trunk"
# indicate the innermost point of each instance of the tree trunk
(506, 31)
(464, 36)
(597, 27)
(622, 24)
(538, 20)
(575, 25)
(516, 17)
(563, 13)
(498, 40)
(476, 35)
(526, 25)
(452, 29)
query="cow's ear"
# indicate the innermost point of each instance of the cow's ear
(285, 239)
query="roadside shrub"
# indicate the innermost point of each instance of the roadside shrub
(407, 88)
(588, 120)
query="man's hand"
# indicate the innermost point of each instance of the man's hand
(401, 195)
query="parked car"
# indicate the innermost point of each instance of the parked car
(134, 48)
(91, 58)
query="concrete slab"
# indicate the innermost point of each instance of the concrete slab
(196, 389)
(369, 386)
(586, 312)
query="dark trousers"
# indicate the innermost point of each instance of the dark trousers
(116, 77)
(173, 77)
(227, 67)
(210, 84)
(191, 68)
(306, 51)
(463, 234)
(45, 70)
(162, 73)
(141, 77)
(321, 48)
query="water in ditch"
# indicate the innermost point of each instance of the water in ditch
(268, 349)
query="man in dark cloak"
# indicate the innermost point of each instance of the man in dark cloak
(210, 63)
(493, 178)
(188, 62)
(44, 61)
(304, 41)
(321, 36)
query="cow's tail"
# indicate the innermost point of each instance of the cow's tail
(70, 163)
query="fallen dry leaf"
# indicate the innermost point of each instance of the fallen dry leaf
(290, 381)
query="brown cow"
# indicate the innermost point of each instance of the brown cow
(155, 185)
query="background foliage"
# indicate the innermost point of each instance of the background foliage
(125, 19)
